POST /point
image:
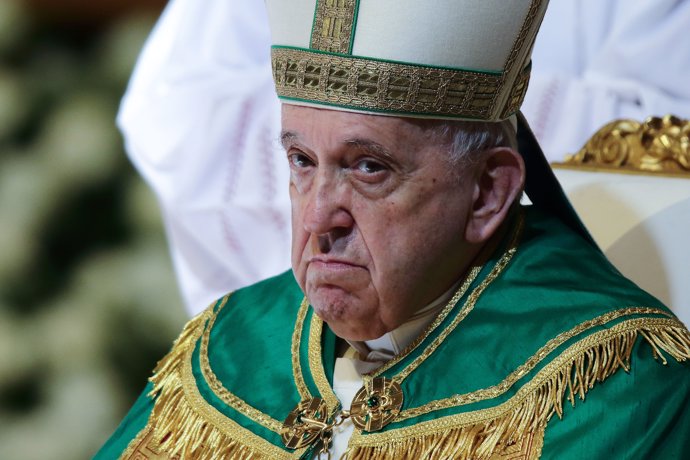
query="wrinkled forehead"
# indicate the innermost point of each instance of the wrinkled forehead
(302, 123)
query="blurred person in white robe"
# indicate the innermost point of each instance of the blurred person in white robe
(201, 119)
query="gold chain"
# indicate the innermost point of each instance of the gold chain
(327, 434)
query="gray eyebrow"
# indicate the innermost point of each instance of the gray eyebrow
(370, 146)
(287, 137)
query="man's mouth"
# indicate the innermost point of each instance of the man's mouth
(333, 263)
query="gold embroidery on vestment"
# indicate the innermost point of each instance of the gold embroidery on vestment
(568, 376)
(328, 73)
(184, 424)
(295, 352)
(166, 373)
(527, 447)
(455, 445)
(381, 86)
(526, 367)
(145, 447)
(223, 393)
(199, 430)
(333, 27)
(316, 364)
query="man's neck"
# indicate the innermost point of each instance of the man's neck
(374, 353)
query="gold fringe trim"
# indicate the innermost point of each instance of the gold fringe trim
(576, 371)
(181, 432)
(183, 424)
(541, 355)
(165, 368)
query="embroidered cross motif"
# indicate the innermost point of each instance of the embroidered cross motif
(334, 25)
(148, 449)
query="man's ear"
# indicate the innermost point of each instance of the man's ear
(500, 178)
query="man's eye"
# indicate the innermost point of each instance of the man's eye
(369, 167)
(300, 160)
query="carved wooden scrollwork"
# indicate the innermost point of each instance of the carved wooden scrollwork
(657, 145)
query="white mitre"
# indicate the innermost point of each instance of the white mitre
(443, 59)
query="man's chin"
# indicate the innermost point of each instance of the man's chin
(347, 321)
(356, 332)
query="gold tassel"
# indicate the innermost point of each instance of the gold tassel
(179, 431)
(573, 380)
(166, 367)
(673, 340)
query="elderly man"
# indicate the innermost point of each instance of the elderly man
(427, 314)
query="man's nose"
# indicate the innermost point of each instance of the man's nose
(326, 209)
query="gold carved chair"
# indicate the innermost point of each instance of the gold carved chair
(630, 184)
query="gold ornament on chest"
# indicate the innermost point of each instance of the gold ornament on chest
(306, 423)
(374, 406)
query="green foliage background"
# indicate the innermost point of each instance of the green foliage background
(88, 301)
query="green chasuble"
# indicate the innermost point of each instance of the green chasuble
(546, 351)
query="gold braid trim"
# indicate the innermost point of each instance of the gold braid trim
(333, 25)
(294, 351)
(183, 424)
(217, 386)
(485, 434)
(316, 364)
(384, 86)
(135, 444)
(522, 370)
(166, 368)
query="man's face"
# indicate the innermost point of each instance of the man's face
(377, 219)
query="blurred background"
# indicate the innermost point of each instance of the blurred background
(88, 301)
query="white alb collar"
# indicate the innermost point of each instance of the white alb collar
(378, 351)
